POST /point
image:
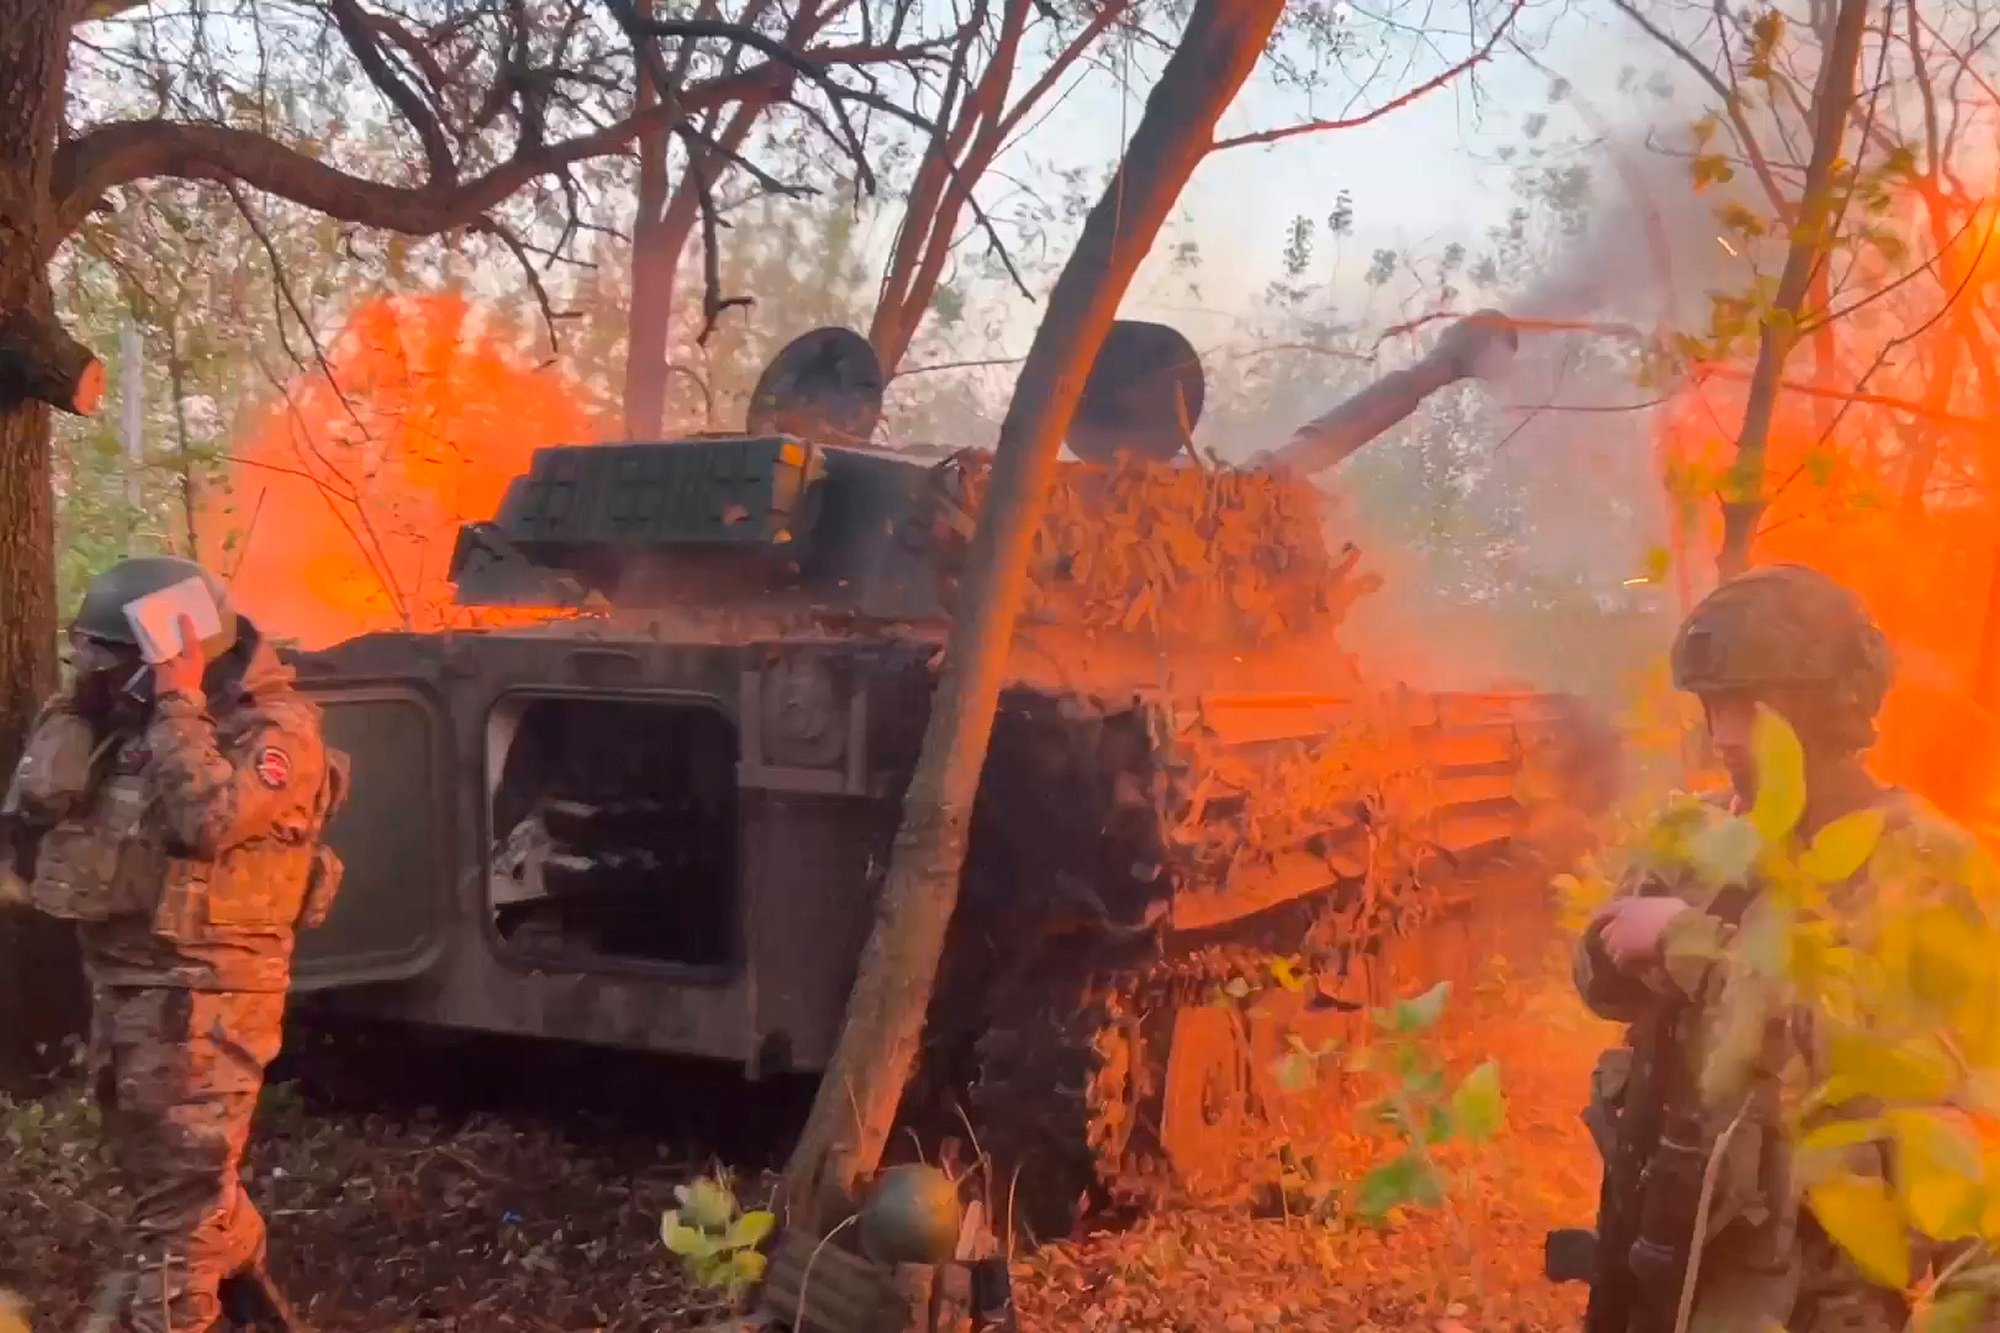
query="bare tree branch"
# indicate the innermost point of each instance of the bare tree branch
(87, 168)
(1428, 86)
(359, 33)
(489, 227)
(1732, 106)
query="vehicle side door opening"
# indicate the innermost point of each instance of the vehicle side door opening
(614, 826)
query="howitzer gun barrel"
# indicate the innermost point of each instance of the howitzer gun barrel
(1480, 345)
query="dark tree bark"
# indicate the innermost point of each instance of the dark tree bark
(1833, 100)
(34, 46)
(858, 1097)
(39, 979)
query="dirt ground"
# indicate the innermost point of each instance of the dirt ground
(441, 1216)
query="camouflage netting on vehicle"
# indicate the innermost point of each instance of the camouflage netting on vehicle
(1251, 826)
(1184, 555)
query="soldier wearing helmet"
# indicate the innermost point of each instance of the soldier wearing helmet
(173, 810)
(1660, 957)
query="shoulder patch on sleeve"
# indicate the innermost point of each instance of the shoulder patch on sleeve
(274, 767)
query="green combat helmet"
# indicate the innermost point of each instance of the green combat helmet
(102, 615)
(1789, 627)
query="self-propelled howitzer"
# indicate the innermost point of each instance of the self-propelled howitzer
(652, 809)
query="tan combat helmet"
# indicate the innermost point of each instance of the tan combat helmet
(1792, 628)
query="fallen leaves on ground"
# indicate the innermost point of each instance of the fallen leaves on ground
(414, 1220)
(382, 1223)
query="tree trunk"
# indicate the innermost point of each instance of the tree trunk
(662, 224)
(647, 307)
(858, 1098)
(1744, 501)
(656, 266)
(38, 978)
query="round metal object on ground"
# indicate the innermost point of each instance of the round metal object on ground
(912, 1216)
(1144, 395)
(826, 385)
(1205, 1107)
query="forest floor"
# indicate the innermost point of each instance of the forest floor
(432, 1211)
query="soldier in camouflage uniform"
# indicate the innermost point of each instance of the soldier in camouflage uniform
(174, 813)
(1795, 641)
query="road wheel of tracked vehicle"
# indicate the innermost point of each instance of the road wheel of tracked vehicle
(1206, 1108)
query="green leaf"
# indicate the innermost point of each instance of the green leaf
(1406, 1180)
(751, 1228)
(1954, 1312)
(1767, 939)
(1424, 1084)
(749, 1265)
(708, 1204)
(1418, 1014)
(1477, 1104)
(1862, 1218)
(689, 1243)
(1781, 777)
(1440, 1125)
(1840, 849)
(1723, 852)
(1294, 1072)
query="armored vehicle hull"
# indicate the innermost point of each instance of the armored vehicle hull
(594, 834)
(654, 812)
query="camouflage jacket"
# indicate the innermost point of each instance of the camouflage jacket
(188, 851)
(1771, 1262)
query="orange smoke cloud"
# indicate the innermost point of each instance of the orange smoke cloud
(344, 504)
(1903, 510)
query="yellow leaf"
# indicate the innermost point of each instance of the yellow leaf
(1910, 1070)
(1767, 940)
(1843, 847)
(1823, 1151)
(1781, 776)
(1818, 956)
(1938, 1174)
(1862, 1218)
(1737, 1047)
(1951, 962)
